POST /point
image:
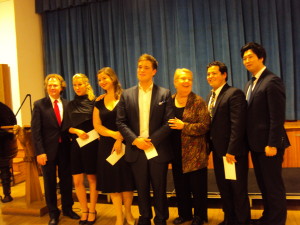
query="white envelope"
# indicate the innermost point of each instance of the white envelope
(93, 135)
(151, 152)
(114, 157)
(230, 173)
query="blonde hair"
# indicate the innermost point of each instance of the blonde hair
(85, 80)
(113, 76)
(57, 77)
(184, 70)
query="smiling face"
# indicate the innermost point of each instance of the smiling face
(54, 88)
(183, 81)
(215, 78)
(252, 63)
(79, 86)
(105, 82)
(145, 71)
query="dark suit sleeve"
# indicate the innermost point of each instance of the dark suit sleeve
(122, 121)
(238, 107)
(161, 133)
(36, 129)
(276, 105)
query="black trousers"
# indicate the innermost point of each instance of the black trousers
(5, 175)
(148, 172)
(62, 163)
(191, 191)
(234, 193)
(269, 179)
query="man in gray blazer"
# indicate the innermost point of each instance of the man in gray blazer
(142, 118)
(266, 135)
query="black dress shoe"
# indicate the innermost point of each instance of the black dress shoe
(227, 222)
(53, 221)
(257, 221)
(7, 198)
(70, 213)
(197, 221)
(180, 220)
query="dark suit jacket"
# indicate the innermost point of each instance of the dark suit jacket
(45, 129)
(160, 112)
(227, 133)
(266, 113)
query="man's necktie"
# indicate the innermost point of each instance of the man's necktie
(212, 103)
(57, 113)
(250, 89)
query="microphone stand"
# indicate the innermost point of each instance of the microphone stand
(28, 95)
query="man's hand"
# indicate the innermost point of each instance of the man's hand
(230, 158)
(42, 159)
(142, 143)
(270, 151)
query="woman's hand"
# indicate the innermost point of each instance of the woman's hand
(176, 124)
(81, 134)
(117, 146)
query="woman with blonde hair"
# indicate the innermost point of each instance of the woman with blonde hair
(117, 179)
(83, 159)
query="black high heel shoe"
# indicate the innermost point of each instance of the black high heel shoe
(92, 222)
(83, 222)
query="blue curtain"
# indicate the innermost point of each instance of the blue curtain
(179, 33)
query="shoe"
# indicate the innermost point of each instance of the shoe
(180, 220)
(7, 198)
(197, 221)
(227, 222)
(82, 222)
(53, 221)
(92, 222)
(257, 221)
(70, 213)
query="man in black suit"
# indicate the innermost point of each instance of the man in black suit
(266, 135)
(142, 119)
(227, 106)
(52, 147)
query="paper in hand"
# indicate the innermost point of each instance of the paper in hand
(114, 157)
(151, 152)
(93, 135)
(230, 173)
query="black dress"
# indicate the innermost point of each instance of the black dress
(79, 115)
(117, 178)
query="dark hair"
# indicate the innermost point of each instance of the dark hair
(258, 50)
(222, 67)
(113, 76)
(149, 58)
(57, 77)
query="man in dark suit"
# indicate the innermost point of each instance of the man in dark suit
(142, 119)
(52, 147)
(266, 135)
(227, 106)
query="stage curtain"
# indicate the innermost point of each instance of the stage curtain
(179, 33)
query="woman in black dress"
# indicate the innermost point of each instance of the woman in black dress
(117, 179)
(84, 159)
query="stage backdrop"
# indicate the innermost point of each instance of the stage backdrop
(81, 36)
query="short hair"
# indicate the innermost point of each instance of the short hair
(89, 89)
(113, 76)
(182, 70)
(58, 77)
(221, 65)
(149, 58)
(258, 50)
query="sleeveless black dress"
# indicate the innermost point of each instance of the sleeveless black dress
(117, 178)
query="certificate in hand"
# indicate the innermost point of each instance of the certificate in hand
(230, 173)
(114, 157)
(151, 152)
(93, 135)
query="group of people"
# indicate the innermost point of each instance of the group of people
(157, 128)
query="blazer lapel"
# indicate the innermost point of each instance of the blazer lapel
(259, 81)
(135, 100)
(50, 110)
(219, 99)
(153, 100)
